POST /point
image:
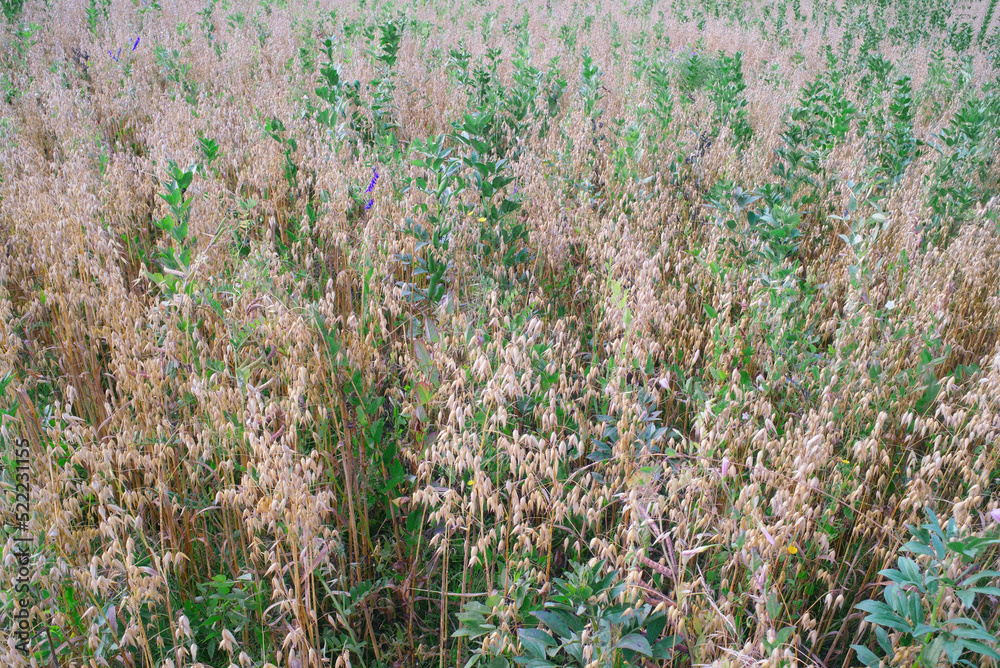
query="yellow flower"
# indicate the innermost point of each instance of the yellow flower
(482, 220)
(792, 549)
(845, 461)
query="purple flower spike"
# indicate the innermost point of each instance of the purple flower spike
(136, 43)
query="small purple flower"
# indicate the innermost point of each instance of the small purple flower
(136, 43)
(369, 205)
(995, 514)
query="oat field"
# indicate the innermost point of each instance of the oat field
(455, 333)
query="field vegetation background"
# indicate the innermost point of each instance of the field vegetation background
(666, 336)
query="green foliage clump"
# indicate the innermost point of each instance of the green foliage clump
(727, 95)
(694, 72)
(581, 624)
(913, 611)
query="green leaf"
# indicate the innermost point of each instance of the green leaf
(866, 656)
(535, 641)
(712, 313)
(891, 620)
(965, 621)
(554, 622)
(931, 653)
(981, 648)
(636, 642)
(424, 393)
(966, 597)
(474, 632)
(873, 606)
(894, 575)
(927, 399)
(661, 649)
(938, 544)
(911, 570)
(978, 576)
(975, 634)
(953, 648)
(883, 640)
(575, 650)
(992, 591)
(916, 608)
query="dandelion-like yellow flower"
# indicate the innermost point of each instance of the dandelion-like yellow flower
(482, 220)
(845, 461)
(792, 549)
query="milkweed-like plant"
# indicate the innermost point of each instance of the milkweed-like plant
(916, 610)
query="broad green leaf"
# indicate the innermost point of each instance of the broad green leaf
(953, 648)
(938, 546)
(554, 622)
(865, 655)
(424, 393)
(925, 402)
(975, 634)
(575, 650)
(916, 608)
(654, 626)
(978, 576)
(894, 575)
(891, 620)
(873, 606)
(931, 653)
(911, 571)
(981, 648)
(572, 621)
(661, 650)
(883, 640)
(921, 629)
(992, 591)
(535, 641)
(636, 642)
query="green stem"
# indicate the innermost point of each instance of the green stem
(934, 614)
